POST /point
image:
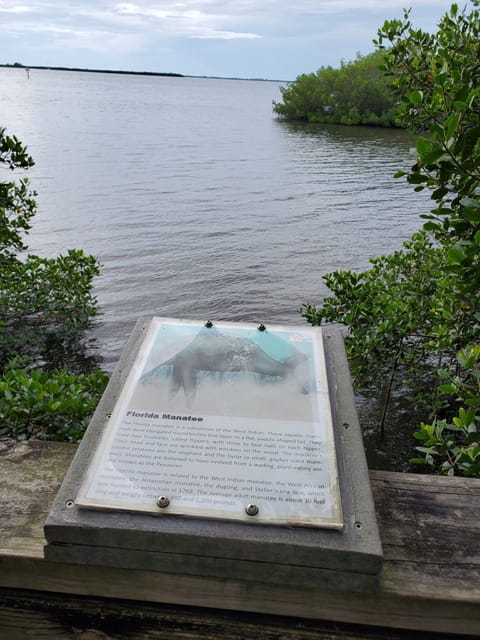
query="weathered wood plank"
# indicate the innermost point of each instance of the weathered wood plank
(30, 474)
(26, 615)
(440, 515)
(430, 580)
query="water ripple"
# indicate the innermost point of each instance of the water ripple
(197, 202)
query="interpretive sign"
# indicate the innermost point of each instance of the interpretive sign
(224, 451)
(222, 420)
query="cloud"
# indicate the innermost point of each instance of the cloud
(187, 19)
(205, 19)
(293, 36)
(7, 7)
(226, 35)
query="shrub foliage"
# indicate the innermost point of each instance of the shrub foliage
(414, 316)
(46, 305)
(356, 93)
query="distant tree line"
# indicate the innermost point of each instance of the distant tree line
(356, 93)
(19, 65)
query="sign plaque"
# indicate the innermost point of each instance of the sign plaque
(224, 451)
(222, 420)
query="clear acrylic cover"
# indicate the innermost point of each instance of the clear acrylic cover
(222, 420)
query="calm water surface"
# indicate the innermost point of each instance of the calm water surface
(196, 200)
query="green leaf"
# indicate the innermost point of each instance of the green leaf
(416, 178)
(467, 141)
(438, 194)
(427, 450)
(449, 389)
(432, 226)
(451, 125)
(415, 97)
(423, 146)
(456, 255)
(471, 214)
(441, 79)
(418, 461)
(433, 156)
(470, 202)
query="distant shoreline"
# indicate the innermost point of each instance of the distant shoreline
(129, 73)
(17, 65)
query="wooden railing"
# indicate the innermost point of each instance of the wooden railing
(430, 581)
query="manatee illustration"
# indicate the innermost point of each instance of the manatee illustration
(214, 352)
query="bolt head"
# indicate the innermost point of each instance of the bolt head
(251, 510)
(163, 502)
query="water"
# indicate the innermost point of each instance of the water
(196, 200)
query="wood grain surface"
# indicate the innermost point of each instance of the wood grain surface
(429, 584)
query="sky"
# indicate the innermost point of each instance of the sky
(271, 39)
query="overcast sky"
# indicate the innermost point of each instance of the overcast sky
(274, 39)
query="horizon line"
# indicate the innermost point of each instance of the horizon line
(18, 65)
